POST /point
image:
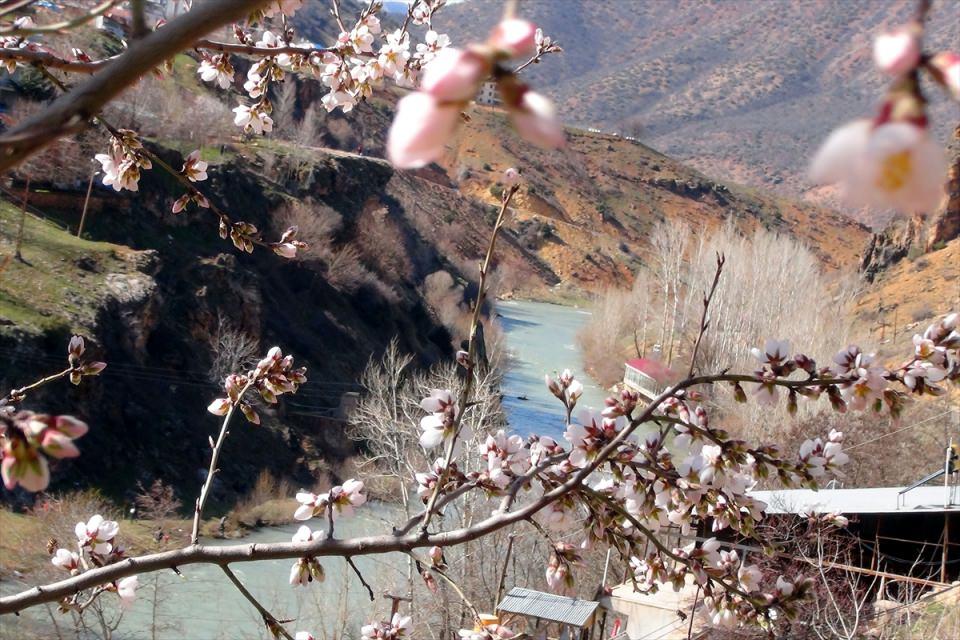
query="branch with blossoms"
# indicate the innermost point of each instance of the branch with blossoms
(351, 69)
(639, 485)
(27, 439)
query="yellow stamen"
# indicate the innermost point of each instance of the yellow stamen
(895, 170)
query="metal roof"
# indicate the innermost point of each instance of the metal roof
(548, 606)
(871, 500)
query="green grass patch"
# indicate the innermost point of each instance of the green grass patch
(60, 279)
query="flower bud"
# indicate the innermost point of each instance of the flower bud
(514, 37)
(899, 52)
(454, 75)
(420, 129)
(536, 120)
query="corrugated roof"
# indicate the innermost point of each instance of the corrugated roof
(548, 606)
(869, 500)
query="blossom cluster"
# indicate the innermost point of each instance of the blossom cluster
(891, 160)
(339, 502)
(427, 119)
(273, 376)
(122, 164)
(399, 627)
(96, 544)
(27, 439)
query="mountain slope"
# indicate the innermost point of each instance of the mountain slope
(741, 90)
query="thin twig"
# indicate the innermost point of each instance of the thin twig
(471, 356)
(356, 570)
(704, 320)
(17, 393)
(61, 27)
(212, 471)
(272, 624)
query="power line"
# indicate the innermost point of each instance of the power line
(916, 424)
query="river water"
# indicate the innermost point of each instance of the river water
(201, 605)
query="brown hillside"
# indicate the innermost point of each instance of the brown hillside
(588, 209)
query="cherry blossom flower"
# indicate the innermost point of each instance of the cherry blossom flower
(252, 119)
(306, 569)
(288, 245)
(535, 119)
(432, 43)
(217, 69)
(453, 75)
(97, 534)
(439, 425)
(420, 129)
(399, 627)
(194, 168)
(287, 8)
(27, 439)
(893, 164)
(127, 590)
(303, 635)
(774, 352)
(395, 53)
(340, 499)
(66, 560)
(510, 177)
(749, 576)
(898, 52)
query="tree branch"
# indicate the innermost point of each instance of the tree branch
(72, 112)
(472, 356)
(370, 545)
(272, 624)
(211, 472)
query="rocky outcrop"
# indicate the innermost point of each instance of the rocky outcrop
(945, 226)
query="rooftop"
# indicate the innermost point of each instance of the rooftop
(548, 606)
(869, 500)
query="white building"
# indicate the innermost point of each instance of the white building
(488, 94)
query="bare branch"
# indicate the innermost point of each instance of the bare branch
(272, 624)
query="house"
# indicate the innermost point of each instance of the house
(488, 94)
(556, 616)
(640, 374)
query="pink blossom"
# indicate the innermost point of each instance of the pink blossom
(515, 37)
(898, 52)
(194, 168)
(895, 164)
(946, 68)
(97, 533)
(420, 129)
(511, 177)
(66, 560)
(127, 590)
(454, 75)
(536, 120)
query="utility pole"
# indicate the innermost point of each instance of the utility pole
(23, 217)
(86, 202)
(946, 510)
